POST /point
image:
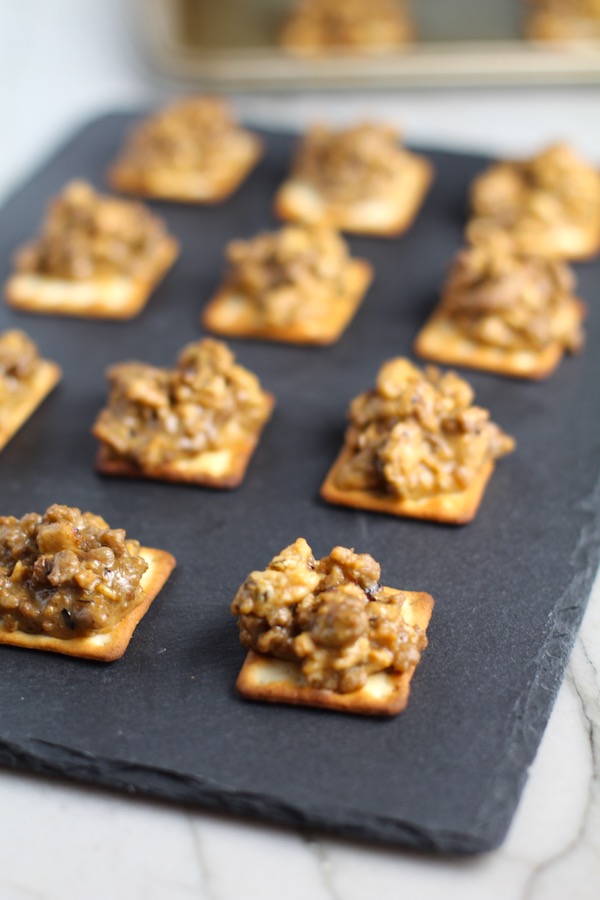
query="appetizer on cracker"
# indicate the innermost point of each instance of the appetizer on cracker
(192, 152)
(563, 20)
(504, 311)
(96, 256)
(416, 447)
(71, 584)
(358, 179)
(319, 27)
(298, 285)
(550, 204)
(199, 422)
(25, 381)
(324, 632)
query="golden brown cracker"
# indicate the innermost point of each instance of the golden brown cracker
(15, 413)
(561, 241)
(385, 693)
(224, 468)
(188, 187)
(108, 645)
(442, 341)
(233, 315)
(109, 297)
(299, 202)
(452, 508)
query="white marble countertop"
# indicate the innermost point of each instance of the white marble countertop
(63, 61)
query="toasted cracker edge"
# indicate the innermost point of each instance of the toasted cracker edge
(109, 463)
(110, 645)
(407, 206)
(127, 181)
(286, 687)
(572, 243)
(249, 325)
(440, 340)
(109, 298)
(456, 508)
(46, 378)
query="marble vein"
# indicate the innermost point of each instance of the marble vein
(209, 892)
(325, 864)
(16, 891)
(561, 871)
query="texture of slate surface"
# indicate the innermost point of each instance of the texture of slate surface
(510, 588)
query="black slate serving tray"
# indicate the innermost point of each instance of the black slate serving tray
(510, 588)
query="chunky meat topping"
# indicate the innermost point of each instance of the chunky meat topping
(502, 297)
(191, 134)
(552, 189)
(290, 274)
(417, 434)
(362, 162)
(19, 360)
(354, 23)
(157, 415)
(88, 235)
(331, 616)
(66, 574)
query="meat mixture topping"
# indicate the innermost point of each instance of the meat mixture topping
(88, 235)
(19, 360)
(504, 298)
(66, 574)
(362, 162)
(354, 23)
(207, 402)
(554, 188)
(331, 616)
(417, 434)
(189, 135)
(291, 274)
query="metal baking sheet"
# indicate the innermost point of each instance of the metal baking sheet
(234, 44)
(510, 588)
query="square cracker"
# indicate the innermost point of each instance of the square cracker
(454, 508)
(110, 297)
(384, 694)
(298, 201)
(442, 341)
(104, 646)
(223, 468)
(15, 413)
(190, 187)
(233, 315)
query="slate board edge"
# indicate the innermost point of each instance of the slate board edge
(43, 758)
(56, 760)
(567, 615)
(58, 146)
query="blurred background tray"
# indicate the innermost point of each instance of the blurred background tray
(233, 43)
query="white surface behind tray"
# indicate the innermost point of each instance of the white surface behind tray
(62, 61)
